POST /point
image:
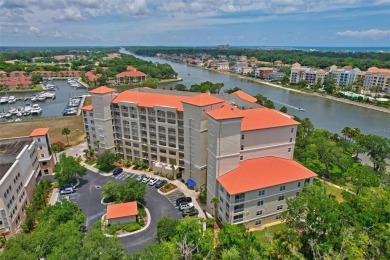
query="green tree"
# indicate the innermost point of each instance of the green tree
(67, 170)
(302, 84)
(96, 143)
(378, 148)
(269, 104)
(283, 109)
(329, 85)
(36, 78)
(285, 80)
(231, 90)
(55, 149)
(180, 87)
(66, 132)
(111, 192)
(215, 201)
(106, 161)
(131, 191)
(166, 228)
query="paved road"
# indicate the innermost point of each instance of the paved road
(88, 196)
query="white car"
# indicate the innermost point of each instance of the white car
(146, 179)
(185, 206)
(153, 181)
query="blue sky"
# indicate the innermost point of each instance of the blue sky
(351, 23)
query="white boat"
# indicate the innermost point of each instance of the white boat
(50, 79)
(36, 109)
(50, 86)
(50, 95)
(11, 99)
(41, 97)
(27, 108)
(70, 111)
(3, 100)
(301, 109)
(17, 120)
(26, 113)
(8, 115)
(12, 110)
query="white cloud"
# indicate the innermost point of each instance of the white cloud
(34, 29)
(372, 33)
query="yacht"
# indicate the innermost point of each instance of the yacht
(70, 111)
(36, 109)
(74, 84)
(3, 100)
(8, 115)
(50, 95)
(11, 99)
(41, 97)
(50, 86)
(27, 108)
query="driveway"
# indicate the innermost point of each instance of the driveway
(88, 197)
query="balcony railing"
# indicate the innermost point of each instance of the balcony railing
(239, 200)
(239, 210)
(238, 220)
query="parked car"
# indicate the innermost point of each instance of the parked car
(140, 177)
(183, 199)
(190, 212)
(160, 183)
(146, 179)
(185, 205)
(153, 181)
(70, 185)
(67, 190)
(117, 171)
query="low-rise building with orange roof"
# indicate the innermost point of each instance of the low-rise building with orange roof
(92, 78)
(122, 213)
(133, 76)
(205, 137)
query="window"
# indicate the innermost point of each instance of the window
(280, 207)
(44, 163)
(259, 212)
(278, 216)
(258, 222)
(292, 129)
(221, 189)
(281, 198)
(242, 137)
(241, 157)
(242, 147)
(238, 218)
(260, 203)
(299, 184)
(282, 188)
(290, 140)
(239, 197)
(42, 155)
(38, 139)
(289, 150)
(40, 147)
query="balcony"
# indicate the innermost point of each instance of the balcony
(238, 220)
(239, 200)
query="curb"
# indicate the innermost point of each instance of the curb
(131, 233)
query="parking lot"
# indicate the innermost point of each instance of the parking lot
(88, 196)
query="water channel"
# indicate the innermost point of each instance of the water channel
(324, 113)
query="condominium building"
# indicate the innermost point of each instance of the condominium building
(226, 143)
(21, 159)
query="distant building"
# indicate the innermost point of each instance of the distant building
(21, 159)
(134, 76)
(112, 56)
(222, 66)
(64, 57)
(246, 70)
(122, 213)
(275, 76)
(92, 78)
(243, 58)
(262, 72)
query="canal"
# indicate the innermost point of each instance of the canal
(50, 107)
(324, 113)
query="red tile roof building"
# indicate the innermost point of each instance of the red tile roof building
(121, 210)
(228, 144)
(133, 76)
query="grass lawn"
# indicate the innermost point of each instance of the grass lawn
(55, 126)
(130, 227)
(269, 231)
(335, 191)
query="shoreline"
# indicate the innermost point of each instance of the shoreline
(342, 100)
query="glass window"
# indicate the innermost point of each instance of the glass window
(258, 222)
(242, 137)
(260, 203)
(261, 192)
(281, 198)
(282, 188)
(280, 207)
(259, 212)
(241, 157)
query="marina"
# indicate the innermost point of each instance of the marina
(58, 99)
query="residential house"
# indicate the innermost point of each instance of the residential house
(122, 213)
(127, 77)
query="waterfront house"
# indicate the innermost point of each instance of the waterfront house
(134, 76)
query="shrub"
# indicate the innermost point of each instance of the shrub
(129, 227)
(60, 144)
(210, 223)
(203, 197)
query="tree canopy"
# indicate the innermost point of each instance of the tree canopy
(68, 169)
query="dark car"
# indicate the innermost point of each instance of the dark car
(190, 212)
(160, 183)
(183, 199)
(117, 171)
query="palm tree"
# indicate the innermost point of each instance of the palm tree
(346, 131)
(215, 202)
(172, 162)
(66, 131)
(96, 143)
(355, 133)
(55, 149)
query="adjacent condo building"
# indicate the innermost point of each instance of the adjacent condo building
(238, 150)
(22, 160)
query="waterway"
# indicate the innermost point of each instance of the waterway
(50, 107)
(324, 113)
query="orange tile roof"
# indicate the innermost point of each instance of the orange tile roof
(241, 94)
(146, 99)
(253, 119)
(202, 100)
(225, 112)
(121, 210)
(261, 118)
(296, 64)
(133, 73)
(92, 76)
(102, 90)
(88, 108)
(39, 132)
(263, 172)
(130, 68)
